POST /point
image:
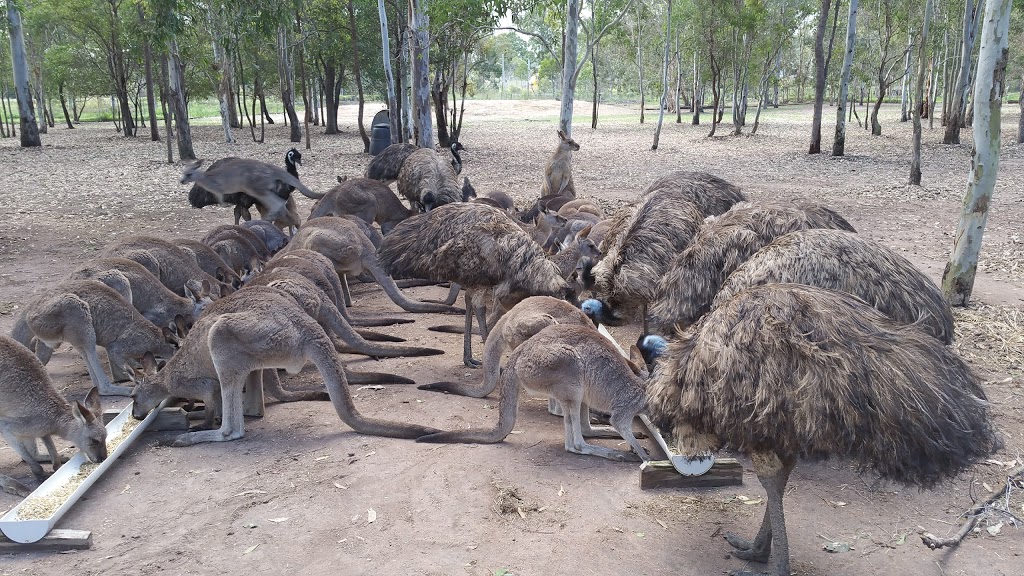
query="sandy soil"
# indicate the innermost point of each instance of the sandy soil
(293, 496)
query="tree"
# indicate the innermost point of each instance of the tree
(19, 60)
(959, 100)
(420, 23)
(958, 277)
(886, 20)
(664, 75)
(839, 142)
(820, 76)
(915, 159)
(284, 70)
(390, 78)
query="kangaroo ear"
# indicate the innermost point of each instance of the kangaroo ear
(584, 233)
(169, 336)
(149, 363)
(205, 289)
(561, 135)
(91, 409)
(180, 326)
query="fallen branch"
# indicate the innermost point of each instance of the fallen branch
(976, 513)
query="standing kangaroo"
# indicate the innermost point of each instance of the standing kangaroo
(251, 330)
(578, 367)
(87, 314)
(30, 408)
(558, 171)
(257, 179)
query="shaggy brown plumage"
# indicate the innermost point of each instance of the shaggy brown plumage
(428, 181)
(711, 194)
(387, 165)
(641, 248)
(724, 242)
(851, 263)
(477, 246)
(784, 372)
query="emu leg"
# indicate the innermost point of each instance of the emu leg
(760, 548)
(467, 338)
(773, 473)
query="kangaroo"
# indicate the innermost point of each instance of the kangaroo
(31, 407)
(253, 329)
(87, 314)
(319, 270)
(369, 200)
(257, 179)
(578, 367)
(272, 238)
(578, 205)
(319, 307)
(210, 261)
(151, 298)
(558, 171)
(171, 264)
(243, 235)
(351, 252)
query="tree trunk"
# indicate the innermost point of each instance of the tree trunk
(679, 82)
(284, 69)
(64, 105)
(569, 55)
(147, 57)
(876, 127)
(957, 103)
(819, 83)
(597, 94)
(36, 71)
(1020, 123)
(264, 112)
(354, 33)
(390, 79)
(420, 24)
(220, 67)
(640, 63)
(915, 158)
(405, 117)
(696, 105)
(302, 74)
(29, 128)
(839, 142)
(165, 92)
(905, 83)
(177, 98)
(958, 278)
(716, 73)
(664, 76)
(330, 79)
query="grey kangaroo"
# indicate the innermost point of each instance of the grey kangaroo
(30, 408)
(257, 179)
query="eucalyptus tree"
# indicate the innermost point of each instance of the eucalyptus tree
(885, 20)
(19, 61)
(972, 12)
(915, 158)
(839, 142)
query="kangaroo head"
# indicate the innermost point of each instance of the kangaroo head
(567, 142)
(467, 190)
(293, 156)
(149, 391)
(89, 434)
(201, 295)
(192, 172)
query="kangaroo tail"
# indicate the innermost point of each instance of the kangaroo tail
(507, 408)
(493, 349)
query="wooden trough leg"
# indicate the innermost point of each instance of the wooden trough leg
(662, 474)
(57, 539)
(252, 400)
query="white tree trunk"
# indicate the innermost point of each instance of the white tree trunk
(915, 158)
(664, 76)
(420, 24)
(959, 100)
(223, 87)
(958, 278)
(570, 52)
(839, 142)
(390, 78)
(29, 128)
(905, 83)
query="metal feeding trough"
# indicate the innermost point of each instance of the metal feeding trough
(32, 530)
(682, 464)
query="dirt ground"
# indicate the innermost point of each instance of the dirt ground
(294, 496)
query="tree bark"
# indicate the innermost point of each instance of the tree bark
(147, 58)
(958, 277)
(420, 23)
(390, 78)
(330, 79)
(284, 69)
(165, 94)
(664, 76)
(905, 83)
(640, 63)
(597, 94)
(570, 51)
(1020, 123)
(819, 83)
(29, 128)
(696, 105)
(354, 33)
(959, 100)
(915, 158)
(177, 98)
(839, 142)
(302, 73)
(64, 105)
(679, 82)
(220, 67)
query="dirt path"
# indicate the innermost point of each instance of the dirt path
(293, 496)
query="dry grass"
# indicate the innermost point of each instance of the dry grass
(991, 336)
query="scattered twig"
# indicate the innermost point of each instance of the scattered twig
(975, 514)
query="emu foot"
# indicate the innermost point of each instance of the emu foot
(747, 550)
(472, 362)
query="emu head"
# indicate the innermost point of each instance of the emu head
(651, 347)
(293, 157)
(456, 146)
(192, 172)
(467, 189)
(600, 313)
(567, 142)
